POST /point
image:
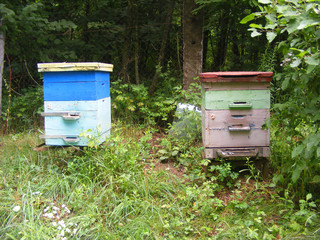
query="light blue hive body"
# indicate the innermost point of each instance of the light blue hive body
(77, 104)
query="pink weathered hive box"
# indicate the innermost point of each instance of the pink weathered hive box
(235, 106)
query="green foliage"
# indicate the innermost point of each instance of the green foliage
(25, 109)
(187, 124)
(295, 25)
(114, 32)
(115, 191)
(93, 31)
(226, 44)
(184, 133)
(268, 59)
(132, 102)
(115, 161)
(224, 174)
(295, 159)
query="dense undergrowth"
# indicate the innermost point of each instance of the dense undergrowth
(121, 190)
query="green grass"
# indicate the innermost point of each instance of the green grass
(116, 191)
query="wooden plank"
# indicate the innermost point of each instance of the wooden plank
(225, 118)
(83, 141)
(235, 153)
(210, 86)
(94, 115)
(73, 91)
(60, 106)
(204, 123)
(74, 66)
(73, 86)
(88, 120)
(224, 138)
(79, 77)
(216, 128)
(220, 100)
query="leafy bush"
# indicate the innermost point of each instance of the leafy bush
(133, 102)
(25, 109)
(295, 25)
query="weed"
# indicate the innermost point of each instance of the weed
(110, 192)
(224, 174)
(25, 110)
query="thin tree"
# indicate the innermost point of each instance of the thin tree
(126, 43)
(164, 42)
(2, 36)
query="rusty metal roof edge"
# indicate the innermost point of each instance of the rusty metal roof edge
(234, 75)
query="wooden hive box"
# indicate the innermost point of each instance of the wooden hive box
(77, 104)
(235, 106)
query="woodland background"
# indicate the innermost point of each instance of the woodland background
(145, 40)
(144, 182)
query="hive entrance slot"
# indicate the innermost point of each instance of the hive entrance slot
(70, 139)
(240, 103)
(238, 127)
(238, 116)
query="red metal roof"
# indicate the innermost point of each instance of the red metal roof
(236, 76)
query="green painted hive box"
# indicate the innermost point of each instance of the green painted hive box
(235, 106)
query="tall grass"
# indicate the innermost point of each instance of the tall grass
(114, 192)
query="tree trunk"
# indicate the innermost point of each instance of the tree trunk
(136, 56)
(163, 44)
(236, 59)
(205, 49)
(192, 43)
(2, 36)
(86, 34)
(124, 73)
(222, 38)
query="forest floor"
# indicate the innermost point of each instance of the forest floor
(122, 190)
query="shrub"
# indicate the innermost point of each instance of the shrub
(25, 109)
